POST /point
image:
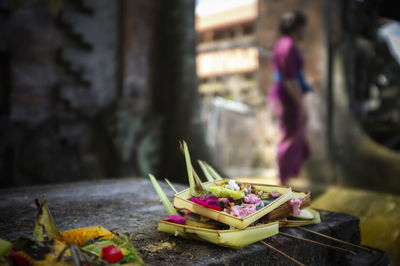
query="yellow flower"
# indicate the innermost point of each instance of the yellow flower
(80, 236)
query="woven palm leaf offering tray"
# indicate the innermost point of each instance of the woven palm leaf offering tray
(222, 209)
(233, 214)
(223, 200)
(188, 225)
(286, 209)
(295, 212)
(93, 245)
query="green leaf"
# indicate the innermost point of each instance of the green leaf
(189, 169)
(164, 199)
(44, 219)
(205, 171)
(213, 172)
(196, 186)
(5, 247)
(38, 231)
(49, 223)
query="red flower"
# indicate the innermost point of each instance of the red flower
(17, 258)
(112, 254)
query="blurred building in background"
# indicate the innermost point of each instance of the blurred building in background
(227, 67)
(227, 54)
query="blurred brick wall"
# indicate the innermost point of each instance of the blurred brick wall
(103, 89)
(76, 90)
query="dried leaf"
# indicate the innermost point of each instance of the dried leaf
(44, 219)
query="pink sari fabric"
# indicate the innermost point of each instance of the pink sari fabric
(293, 148)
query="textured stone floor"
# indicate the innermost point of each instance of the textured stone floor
(131, 206)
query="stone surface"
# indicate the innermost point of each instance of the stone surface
(378, 213)
(131, 206)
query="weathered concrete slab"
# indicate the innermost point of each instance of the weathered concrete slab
(131, 206)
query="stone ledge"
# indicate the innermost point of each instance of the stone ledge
(131, 206)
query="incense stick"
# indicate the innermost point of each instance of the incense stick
(335, 239)
(170, 185)
(318, 243)
(282, 254)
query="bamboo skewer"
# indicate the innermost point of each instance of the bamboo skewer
(335, 239)
(282, 254)
(317, 243)
(170, 185)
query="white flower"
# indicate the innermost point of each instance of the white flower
(232, 185)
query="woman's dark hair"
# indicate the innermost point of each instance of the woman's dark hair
(291, 22)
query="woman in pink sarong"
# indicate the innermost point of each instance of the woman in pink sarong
(287, 96)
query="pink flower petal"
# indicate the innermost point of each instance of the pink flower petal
(275, 194)
(243, 210)
(252, 199)
(236, 211)
(176, 219)
(295, 203)
(210, 202)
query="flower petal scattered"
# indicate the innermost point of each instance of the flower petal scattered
(275, 194)
(243, 210)
(295, 203)
(80, 236)
(176, 219)
(210, 202)
(252, 199)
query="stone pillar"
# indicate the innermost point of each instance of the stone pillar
(176, 98)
